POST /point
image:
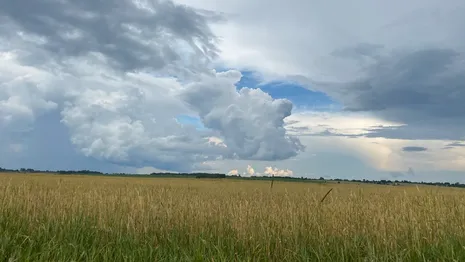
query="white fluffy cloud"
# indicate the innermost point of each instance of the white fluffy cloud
(277, 172)
(233, 172)
(250, 121)
(269, 171)
(250, 170)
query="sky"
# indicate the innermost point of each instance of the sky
(366, 89)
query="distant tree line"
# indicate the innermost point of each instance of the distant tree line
(398, 182)
(219, 175)
(196, 175)
(30, 170)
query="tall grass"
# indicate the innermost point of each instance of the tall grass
(78, 218)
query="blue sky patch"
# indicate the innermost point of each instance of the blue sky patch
(191, 120)
(300, 96)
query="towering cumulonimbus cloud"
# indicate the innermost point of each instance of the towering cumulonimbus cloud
(250, 121)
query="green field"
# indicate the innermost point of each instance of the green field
(91, 218)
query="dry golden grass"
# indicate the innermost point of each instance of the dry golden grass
(64, 218)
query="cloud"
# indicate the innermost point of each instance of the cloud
(129, 35)
(414, 149)
(250, 170)
(114, 124)
(24, 94)
(233, 172)
(250, 122)
(404, 86)
(110, 78)
(411, 87)
(454, 145)
(349, 124)
(121, 122)
(270, 171)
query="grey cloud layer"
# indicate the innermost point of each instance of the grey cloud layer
(105, 71)
(131, 35)
(421, 88)
(410, 86)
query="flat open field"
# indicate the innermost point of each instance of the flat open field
(90, 218)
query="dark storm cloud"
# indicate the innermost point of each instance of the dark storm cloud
(131, 37)
(426, 83)
(423, 89)
(414, 149)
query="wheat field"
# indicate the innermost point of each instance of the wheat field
(90, 218)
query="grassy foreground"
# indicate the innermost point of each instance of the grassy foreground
(79, 218)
